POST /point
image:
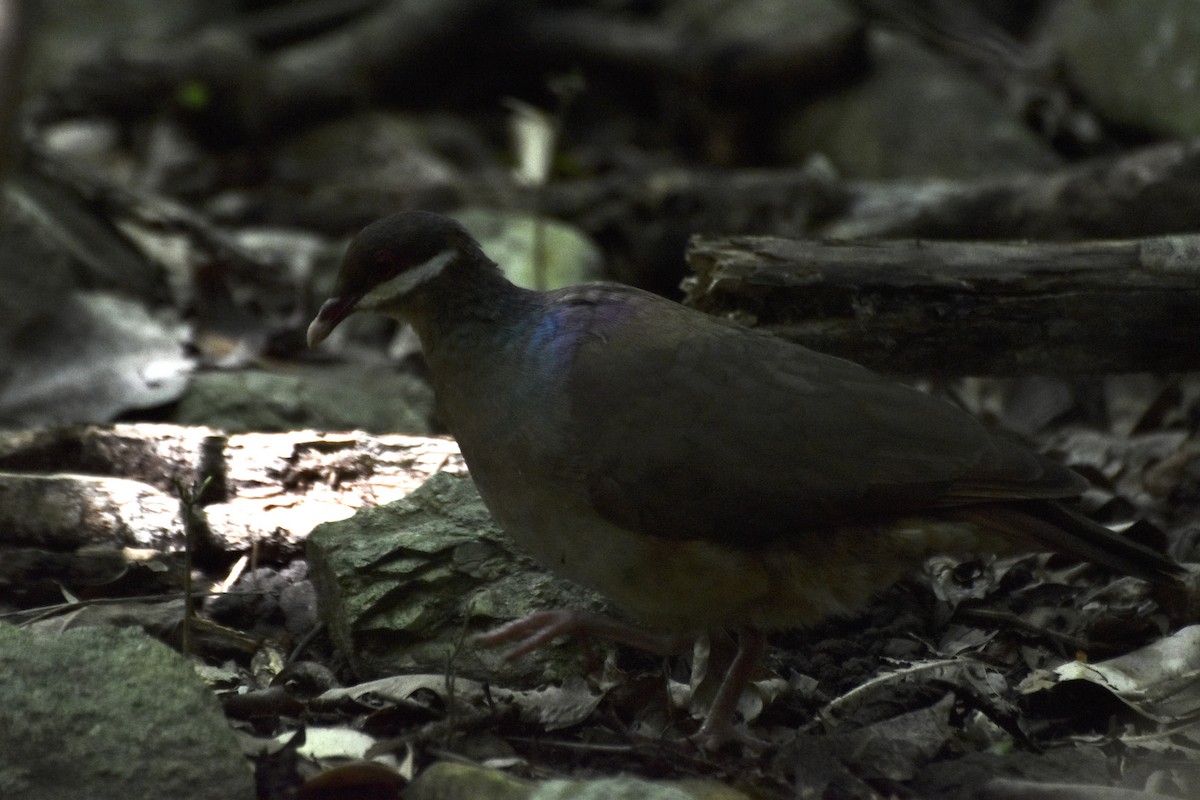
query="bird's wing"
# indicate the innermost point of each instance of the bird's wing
(687, 426)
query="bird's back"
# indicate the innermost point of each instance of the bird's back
(685, 426)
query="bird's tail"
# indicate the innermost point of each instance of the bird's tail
(1053, 526)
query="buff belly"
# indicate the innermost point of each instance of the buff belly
(691, 584)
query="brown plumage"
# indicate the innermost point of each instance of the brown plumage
(697, 473)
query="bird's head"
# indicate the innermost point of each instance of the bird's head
(387, 261)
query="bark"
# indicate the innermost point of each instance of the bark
(954, 308)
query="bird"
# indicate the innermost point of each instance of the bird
(699, 474)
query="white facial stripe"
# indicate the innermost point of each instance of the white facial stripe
(408, 280)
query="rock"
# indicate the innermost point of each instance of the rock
(915, 115)
(399, 586)
(343, 397)
(753, 49)
(110, 714)
(96, 356)
(1135, 61)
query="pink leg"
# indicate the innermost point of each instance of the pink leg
(534, 630)
(718, 727)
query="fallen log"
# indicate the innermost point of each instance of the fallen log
(964, 308)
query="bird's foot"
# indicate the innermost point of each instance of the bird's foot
(534, 630)
(719, 727)
(712, 737)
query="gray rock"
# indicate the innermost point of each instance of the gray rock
(110, 713)
(373, 398)
(752, 47)
(71, 32)
(914, 115)
(403, 586)
(376, 160)
(1136, 61)
(78, 341)
(94, 357)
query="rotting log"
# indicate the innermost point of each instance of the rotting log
(959, 308)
